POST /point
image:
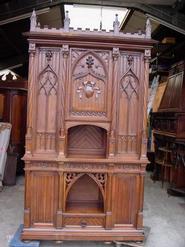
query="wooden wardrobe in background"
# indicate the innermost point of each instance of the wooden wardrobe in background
(86, 133)
(13, 107)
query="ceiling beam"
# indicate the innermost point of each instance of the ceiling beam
(165, 14)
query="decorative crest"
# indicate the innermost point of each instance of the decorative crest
(89, 89)
(148, 29)
(116, 25)
(33, 21)
(66, 22)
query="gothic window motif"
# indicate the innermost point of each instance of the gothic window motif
(47, 106)
(129, 96)
(48, 82)
(129, 84)
(89, 83)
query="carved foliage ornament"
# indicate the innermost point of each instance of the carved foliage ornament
(89, 61)
(99, 178)
(49, 55)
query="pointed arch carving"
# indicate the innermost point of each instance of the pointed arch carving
(48, 82)
(93, 68)
(129, 83)
(47, 108)
(128, 106)
(99, 178)
(89, 84)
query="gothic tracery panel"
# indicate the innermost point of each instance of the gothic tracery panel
(47, 104)
(89, 83)
(128, 105)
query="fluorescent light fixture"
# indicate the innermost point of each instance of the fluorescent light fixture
(23, 16)
(5, 72)
(94, 17)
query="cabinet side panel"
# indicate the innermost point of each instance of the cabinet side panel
(43, 197)
(125, 199)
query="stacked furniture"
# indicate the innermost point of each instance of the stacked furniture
(86, 133)
(169, 131)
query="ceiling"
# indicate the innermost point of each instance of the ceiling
(14, 20)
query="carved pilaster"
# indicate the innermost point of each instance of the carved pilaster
(147, 57)
(59, 222)
(32, 50)
(27, 199)
(141, 198)
(108, 223)
(65, 55)
(112, 142)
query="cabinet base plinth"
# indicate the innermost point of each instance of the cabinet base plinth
(81, 234)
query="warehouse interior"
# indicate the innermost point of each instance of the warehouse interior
(164, 196)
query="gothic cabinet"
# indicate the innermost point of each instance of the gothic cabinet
(86, 144)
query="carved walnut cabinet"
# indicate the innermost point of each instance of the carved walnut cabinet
(86, 143)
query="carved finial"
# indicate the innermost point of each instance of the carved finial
(33, 21)
(66, 22)
(116, 25)
(148, 29)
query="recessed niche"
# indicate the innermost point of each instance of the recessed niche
(87, 141)
(84, 197)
